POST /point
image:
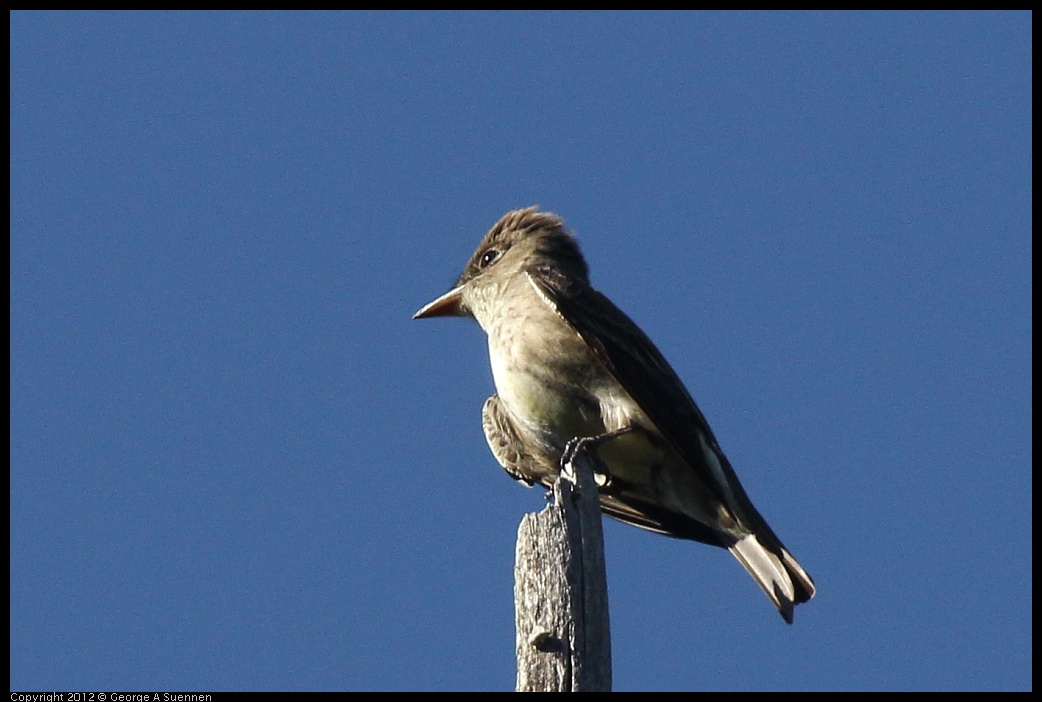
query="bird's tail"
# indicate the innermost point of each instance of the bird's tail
(784, 580)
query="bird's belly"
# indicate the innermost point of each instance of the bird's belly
(551, 411)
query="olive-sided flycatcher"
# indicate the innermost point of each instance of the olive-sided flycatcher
(568, 364)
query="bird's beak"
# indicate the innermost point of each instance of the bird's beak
(448, 305)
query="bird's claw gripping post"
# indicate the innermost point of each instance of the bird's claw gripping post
(588, 445)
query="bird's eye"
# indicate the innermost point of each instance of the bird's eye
(488, 257)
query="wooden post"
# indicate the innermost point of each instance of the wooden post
(560, 590)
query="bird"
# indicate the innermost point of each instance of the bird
(569, 365)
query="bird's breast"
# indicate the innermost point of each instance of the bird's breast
(543, 380)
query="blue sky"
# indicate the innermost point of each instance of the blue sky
(237, 464)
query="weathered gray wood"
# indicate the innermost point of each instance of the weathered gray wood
(560, 591)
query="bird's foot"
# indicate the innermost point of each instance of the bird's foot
(588, 445)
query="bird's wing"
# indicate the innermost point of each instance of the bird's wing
(639, 367)
(642, 371)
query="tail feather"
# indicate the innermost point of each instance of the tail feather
(778, 574)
